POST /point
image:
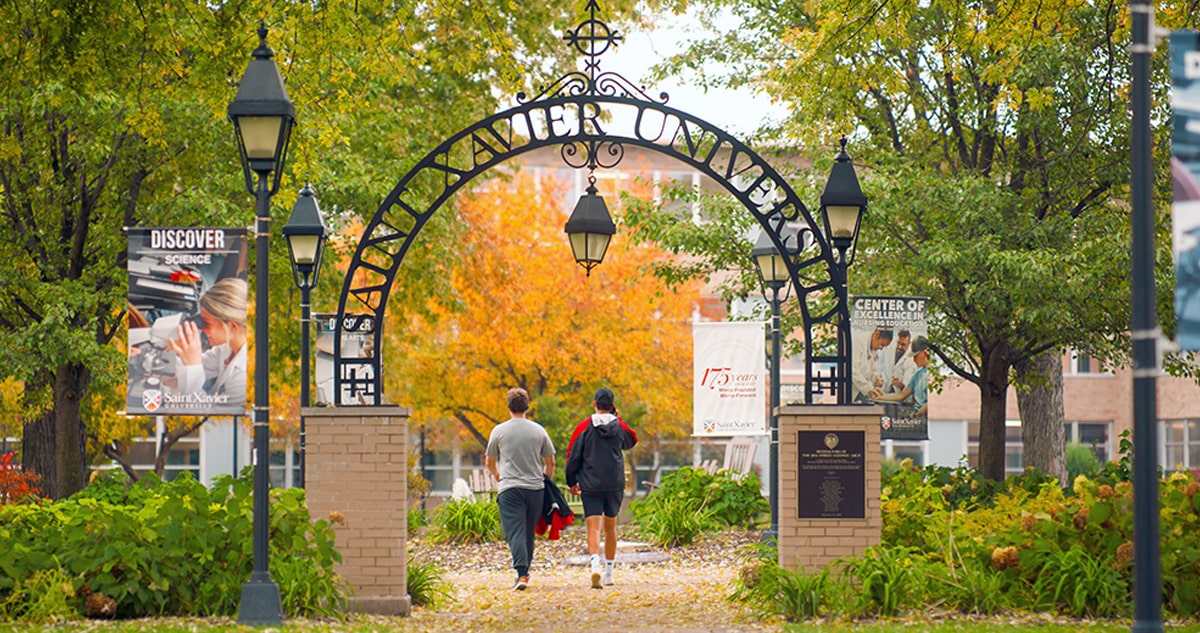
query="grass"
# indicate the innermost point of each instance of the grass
(379, 625)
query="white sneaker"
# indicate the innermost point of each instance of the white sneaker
(596, 574)
(606, 578)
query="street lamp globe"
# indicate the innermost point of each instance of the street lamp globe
(262, 115)
(772, 270)
(306, 234)
(842, 206)
(590, 228)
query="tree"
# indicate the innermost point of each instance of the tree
(113, 116)
(522, 314)
(996, 136)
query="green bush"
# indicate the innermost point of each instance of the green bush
(732, 500)
(677, 521)
(770, 590)
(426, 587)
(1081, 461)
(466, 521)
(884, 580)
(417, 519)
(159, 548)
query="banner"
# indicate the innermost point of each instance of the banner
(359, 360)
(890, 352)
(187, 321)
(729, 386)
(1185, 175)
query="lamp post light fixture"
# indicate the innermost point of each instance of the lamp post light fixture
(773, 274)
(590, 228)
(305, 233)
(262, 117)
(842, 207)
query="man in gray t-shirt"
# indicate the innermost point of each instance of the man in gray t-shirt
(519, 454)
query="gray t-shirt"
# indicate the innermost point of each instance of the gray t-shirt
(519, 447)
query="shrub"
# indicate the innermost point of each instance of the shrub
(677, 521)
(417, 519)
(1081, 461)
(770, 590)
(466, 521)
(173, 548)
(732, 500)
(426, 586)
(16, 485)
(884, 580)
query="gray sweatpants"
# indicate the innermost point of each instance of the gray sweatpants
(519, 510)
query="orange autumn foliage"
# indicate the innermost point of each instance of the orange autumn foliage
(524, 314)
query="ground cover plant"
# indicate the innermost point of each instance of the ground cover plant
(691, 501)
(957, 543)
(466, 520)
(121, 550)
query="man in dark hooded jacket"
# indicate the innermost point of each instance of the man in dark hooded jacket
(596, 472)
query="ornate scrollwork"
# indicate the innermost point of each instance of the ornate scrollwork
(592, 154)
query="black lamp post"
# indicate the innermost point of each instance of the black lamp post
(842, 208)
(263, 117)
(1147, 567)
(305, 233)
(590, 228)
(773, 274)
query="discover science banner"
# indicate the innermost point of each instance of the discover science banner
(188, 301)
(890, 353)
(730, 393)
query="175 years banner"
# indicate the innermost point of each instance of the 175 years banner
(730, 392)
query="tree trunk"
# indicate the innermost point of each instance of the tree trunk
(171, 438)
(37, 441)
(71, 382)
(1040, 400)
(993, 402)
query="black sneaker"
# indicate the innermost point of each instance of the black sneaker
(522, 583)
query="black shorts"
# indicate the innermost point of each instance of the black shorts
(597, 503)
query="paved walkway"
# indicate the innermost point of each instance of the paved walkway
(676, 594)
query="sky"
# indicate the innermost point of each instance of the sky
(738, 112)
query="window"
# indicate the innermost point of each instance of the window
(184, 456)
(1095, 435)
(1014, 450)
(1081, 362)
(906, 449)
(1181, 444)
(284, 467)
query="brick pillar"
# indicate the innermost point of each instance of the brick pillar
(836, 481)
(357, 465)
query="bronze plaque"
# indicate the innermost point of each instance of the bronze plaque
(833, 475)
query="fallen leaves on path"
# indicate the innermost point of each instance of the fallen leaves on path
(685, 594)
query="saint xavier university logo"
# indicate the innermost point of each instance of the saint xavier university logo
(152, 399)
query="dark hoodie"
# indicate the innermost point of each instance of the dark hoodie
(594, 459)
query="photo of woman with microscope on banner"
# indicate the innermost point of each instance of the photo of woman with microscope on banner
(188, 304)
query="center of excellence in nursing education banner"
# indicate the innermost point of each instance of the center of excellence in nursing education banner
(890, 353)
(187, 321)
(1185, 179)
(730, 392)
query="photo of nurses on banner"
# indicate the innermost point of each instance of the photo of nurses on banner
(188, 301)
(889, 355)
(1185, 180)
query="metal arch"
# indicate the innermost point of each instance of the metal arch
(567, 113)
(573, 121)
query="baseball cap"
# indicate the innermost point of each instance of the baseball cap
(604, 398)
